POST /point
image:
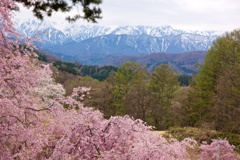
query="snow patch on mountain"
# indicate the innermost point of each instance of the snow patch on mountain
(80, 32)
(74, 39)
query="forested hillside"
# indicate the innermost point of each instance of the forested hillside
(57, 111)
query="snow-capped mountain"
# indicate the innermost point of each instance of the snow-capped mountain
(77, 40)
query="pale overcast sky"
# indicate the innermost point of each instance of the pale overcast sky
(180, 14)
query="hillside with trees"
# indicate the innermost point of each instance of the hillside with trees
(48, 113)
(216, 89)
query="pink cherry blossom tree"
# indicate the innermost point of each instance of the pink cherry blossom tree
(218, 149)
(38, 122)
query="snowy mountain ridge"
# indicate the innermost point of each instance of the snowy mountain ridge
(78, 32)
(77, 41)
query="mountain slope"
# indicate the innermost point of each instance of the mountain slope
(93, 44)
(86, 39)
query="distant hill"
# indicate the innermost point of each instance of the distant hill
(185, 63)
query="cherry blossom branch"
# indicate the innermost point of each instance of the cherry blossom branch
(42, 109)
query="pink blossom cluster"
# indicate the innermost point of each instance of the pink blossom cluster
(33, 128)
(218, 149)
(38, 122)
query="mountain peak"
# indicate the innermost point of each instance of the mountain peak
(75, 29)
(76, 40)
